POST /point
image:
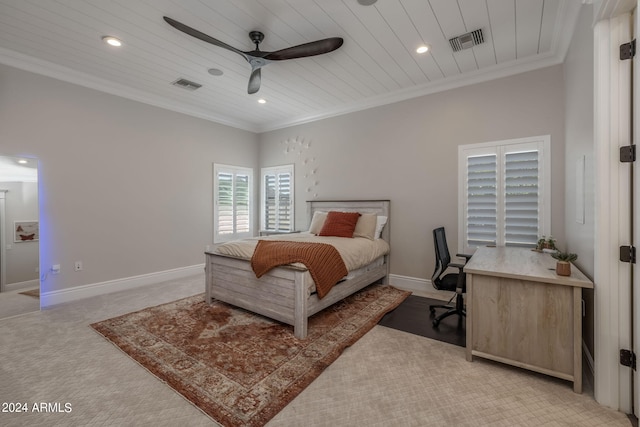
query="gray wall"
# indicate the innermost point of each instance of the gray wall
(126, 188)
(407, 152)
(579, 83)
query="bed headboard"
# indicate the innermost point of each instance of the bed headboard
(379, 207)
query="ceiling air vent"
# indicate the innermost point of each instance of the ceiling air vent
(186, 84)
(467, 40)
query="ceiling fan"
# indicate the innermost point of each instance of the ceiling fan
(257, 58)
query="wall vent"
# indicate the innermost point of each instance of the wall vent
(465, 41)
(187, 84)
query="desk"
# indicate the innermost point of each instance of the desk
(520, 312)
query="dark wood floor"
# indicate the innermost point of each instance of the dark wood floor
(413, 316)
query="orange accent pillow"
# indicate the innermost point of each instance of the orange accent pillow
(340, 224)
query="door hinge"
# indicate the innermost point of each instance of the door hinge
(628, 254)
(628, 50)
(628, 153)
(628, 358)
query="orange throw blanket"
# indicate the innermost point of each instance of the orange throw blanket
(321, 259)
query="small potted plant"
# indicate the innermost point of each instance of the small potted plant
(546, 243)
(563, 266)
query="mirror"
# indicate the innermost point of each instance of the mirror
(19, 236)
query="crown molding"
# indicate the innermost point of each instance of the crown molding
(59, 72)
(478, 76)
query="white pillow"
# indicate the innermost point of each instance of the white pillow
(366, 226)
(380, 222)
(317, 222)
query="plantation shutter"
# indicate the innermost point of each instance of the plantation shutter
(225, 204)
(242, 203)
(232, 208)
(270, 201)
(482, 200)
(521, 199)
(502, 193)
(277, 209)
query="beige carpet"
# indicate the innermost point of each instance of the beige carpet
(238, 367)
(13, 303)
(387, 378)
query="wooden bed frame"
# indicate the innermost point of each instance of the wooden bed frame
(284, 293)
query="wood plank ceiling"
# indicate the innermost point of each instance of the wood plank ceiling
(377, 64)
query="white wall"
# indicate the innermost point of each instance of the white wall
(579, 107)
(125, 188)
(407, 152)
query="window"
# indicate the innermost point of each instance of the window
(504, 193)
(277, 199)
(232, 217)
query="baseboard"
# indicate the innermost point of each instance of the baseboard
(48, 299)
(420, 287)
(18, 286)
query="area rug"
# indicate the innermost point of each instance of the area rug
(32, 293)
(238, 367)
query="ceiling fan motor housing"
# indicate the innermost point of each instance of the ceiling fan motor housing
(256, 37)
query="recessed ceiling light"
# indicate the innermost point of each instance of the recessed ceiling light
(22, 162)
(112, 41)
(215, 72)
(262, 101)
(423, 49)
(367, 2)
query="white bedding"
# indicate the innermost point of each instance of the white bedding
(356, 252)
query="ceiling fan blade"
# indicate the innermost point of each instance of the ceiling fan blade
(317, 47)
(254, 81)
(202, 36)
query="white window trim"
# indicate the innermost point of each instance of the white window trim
(270, 171)
(541, 143)
(217, 168)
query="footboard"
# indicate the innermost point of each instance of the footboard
(282, 294)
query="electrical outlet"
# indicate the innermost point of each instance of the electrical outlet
(55, 268)
(78, 266)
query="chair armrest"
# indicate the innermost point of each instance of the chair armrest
(458, 266)
(467, 257)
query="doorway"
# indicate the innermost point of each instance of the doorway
(19, 236)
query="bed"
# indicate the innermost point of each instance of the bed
(287, 293)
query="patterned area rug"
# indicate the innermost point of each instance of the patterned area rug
(32, 293)
(238, 367)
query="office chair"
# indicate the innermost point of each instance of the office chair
(449, 281)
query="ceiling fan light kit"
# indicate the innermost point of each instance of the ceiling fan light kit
(257, 58)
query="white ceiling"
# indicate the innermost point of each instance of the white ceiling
(376, 65)
(18, 169)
